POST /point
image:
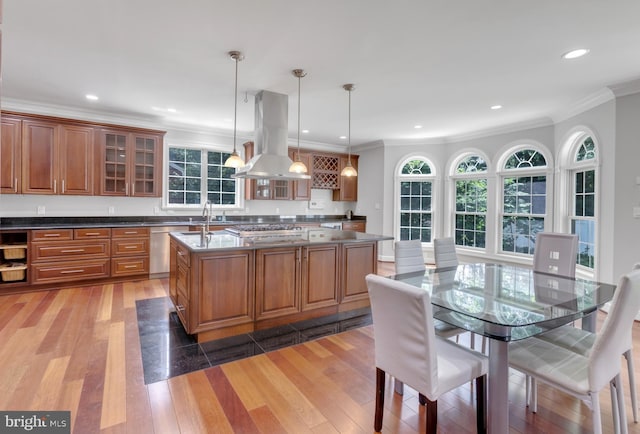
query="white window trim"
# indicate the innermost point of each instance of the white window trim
(566, 172)
(435, 195)
(182, 207)
(502, 173)
(450, 197)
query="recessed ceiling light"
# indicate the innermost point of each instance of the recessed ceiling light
(574, 54)
(305, 131)
(343, 137)
(417, 127)
(172, 110)
(91, 97)
(496, 107)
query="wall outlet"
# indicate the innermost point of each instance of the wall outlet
(636, 212)
(40, 210)
(112, 210)
(316, 204)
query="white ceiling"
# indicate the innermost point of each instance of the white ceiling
(437, 63)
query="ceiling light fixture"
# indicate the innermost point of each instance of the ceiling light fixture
(574, 54)
(91, 97)
(417, 127)
(496, 107)
(298, 166)
(349, 170)
(234, 160)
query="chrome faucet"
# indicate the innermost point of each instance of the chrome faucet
(224, 216)
(206, 213)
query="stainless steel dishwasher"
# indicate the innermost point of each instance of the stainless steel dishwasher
(159, 257)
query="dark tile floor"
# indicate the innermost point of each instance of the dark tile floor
(168, 351)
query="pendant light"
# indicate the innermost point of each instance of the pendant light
(349, 170)
(298, 166)
(234, 160)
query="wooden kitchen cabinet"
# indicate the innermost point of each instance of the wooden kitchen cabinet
(130, 163)
(14, 258)
(307, 278)
(354, 225)
(347, 185)
(320, 276)
(62, 255)
(10, 155)
(359, 259)
(129, 251)
(277, 293)
(56, 158)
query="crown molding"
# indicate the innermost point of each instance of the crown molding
(587, 103)
(504, 129)
(625, 88)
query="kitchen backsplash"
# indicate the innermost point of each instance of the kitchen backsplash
(17, 205)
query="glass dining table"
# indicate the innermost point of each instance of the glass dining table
(507, 303)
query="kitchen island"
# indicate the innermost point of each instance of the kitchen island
(223, 284)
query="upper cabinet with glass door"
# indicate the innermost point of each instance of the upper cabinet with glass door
(130, 163)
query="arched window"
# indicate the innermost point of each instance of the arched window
(524, 199)
(582, 210)
(415, 182)
(470, 216)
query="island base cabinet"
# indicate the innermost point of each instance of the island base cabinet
(277, 282)
(320, 276)
(360, 259)
(222, 290)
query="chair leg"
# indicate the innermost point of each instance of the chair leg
(481, 404)
(622, 412)
(527, 390)
(398, 386)
(422, 400)
(377, 423)
(615, 407)
(473, 341)
(595, 410)
(432, 416)
(632, 384)
(534, 395)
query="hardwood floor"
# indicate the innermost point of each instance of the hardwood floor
(78, 349)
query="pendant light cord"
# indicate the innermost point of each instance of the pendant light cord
(299, 78)
(349, 130)
(235, 108)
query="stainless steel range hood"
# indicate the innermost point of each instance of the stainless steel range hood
(270, 142)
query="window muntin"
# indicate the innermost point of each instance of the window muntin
(416, 198)
(582, 214)
(524, 200)
(471, 202)
(197, 175)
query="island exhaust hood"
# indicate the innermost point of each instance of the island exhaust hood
(270, 142)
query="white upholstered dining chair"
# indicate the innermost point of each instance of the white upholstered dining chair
(585, 375)
(407, 348)
(581, 342)
(409, 258)
(555, 253)
(445, 256)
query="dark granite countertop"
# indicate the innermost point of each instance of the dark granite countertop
(223, 240)
(81, 222)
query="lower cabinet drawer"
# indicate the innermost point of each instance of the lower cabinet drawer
(70, 250)
(70, 270)
(131, 247)
(129, 266)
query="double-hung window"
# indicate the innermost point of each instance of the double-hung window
(471, 202)
(524, 197)
(415, 181)
(197, 175)
(582, 213)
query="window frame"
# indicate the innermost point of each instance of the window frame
(432, 177)
(502, 173)
(454, 177)
(204, 149)
(570, 167)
